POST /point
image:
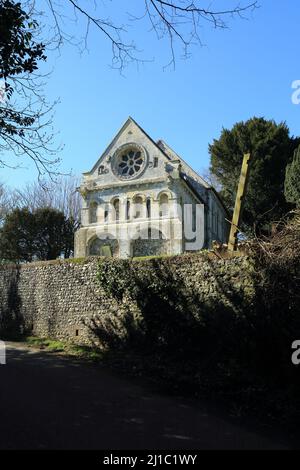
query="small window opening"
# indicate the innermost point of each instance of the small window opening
(128, 210)
(148, 205)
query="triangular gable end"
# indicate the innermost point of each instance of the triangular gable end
(132, 122)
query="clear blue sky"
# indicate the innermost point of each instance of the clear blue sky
(244, 71)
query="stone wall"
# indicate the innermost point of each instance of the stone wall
(65, 300)
(52, 299)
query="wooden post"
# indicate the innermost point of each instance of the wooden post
(239, 202)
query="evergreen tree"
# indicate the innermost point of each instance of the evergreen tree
(292, 180)
(272, 149)
(40, 235)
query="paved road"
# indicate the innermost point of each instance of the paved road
(54, 402)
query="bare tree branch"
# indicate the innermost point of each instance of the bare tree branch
(29, 28)
(25, 115)
(60, 194)
(176, 20)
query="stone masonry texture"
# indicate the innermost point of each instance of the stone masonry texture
(60, 299)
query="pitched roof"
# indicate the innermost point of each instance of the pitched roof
(128, 120)
(168, 150)
(188, 173)
(187, 178)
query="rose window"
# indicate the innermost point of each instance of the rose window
(129, 161)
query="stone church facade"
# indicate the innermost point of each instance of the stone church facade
(142, 199)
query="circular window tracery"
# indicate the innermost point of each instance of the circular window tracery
(129, 161)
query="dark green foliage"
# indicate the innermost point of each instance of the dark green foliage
(18, 51)
(11, 321)
(43, 234)
(292, 180)
(272, 148)
(169, 314)
(25, 113)
(113, 278)
(233, 338)
(19, 55)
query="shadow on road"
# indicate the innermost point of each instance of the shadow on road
(53, 402)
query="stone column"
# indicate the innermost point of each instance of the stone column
(123, 206)
(144, 208)
(155, 208)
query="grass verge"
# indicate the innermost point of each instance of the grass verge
(70, 349)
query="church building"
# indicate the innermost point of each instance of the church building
(142, 199)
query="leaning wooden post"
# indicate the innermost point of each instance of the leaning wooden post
(239, 202)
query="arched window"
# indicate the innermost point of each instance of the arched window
(127, 210)
(163, 205)
(148, 207)
(93, 212)
(103, 246)
(106, 212)
(138, 207)
(116, 205)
